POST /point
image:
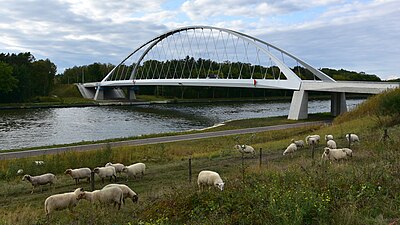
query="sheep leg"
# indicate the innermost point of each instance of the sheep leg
(115, 178)
(33, 187)
(76, 181)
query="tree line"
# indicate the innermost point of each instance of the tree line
(22, 77)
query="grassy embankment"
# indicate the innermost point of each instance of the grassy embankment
(284, 190)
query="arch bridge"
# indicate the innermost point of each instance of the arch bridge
(217, 57)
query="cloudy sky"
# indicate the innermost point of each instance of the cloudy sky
(354, 35)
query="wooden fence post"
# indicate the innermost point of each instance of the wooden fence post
(243, 166)
(349, 139)
(92, 181)
(190, 170)
(260, 157)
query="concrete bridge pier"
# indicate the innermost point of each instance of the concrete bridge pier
(338, 103)
(299, 106)
(99, 93)
(131, 93)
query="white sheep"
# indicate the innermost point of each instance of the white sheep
(39, 162)
(331, 144)
(299, 143)
(126, 191)
(353, 138)
(106, 195)
(311, 141)
(336, 154)
(20, 171)
(290, 149)
(63, 201)
(328, 137)
(118, 166)
(79, 173)
(104, 172)
(315, 138)
(245, 149)
(43, 179)
(210, 178)
(135, 169)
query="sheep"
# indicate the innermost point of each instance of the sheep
(135, 169)
(20, 171)
(336, 154)
(210, 178)
(39, 162)
(328, 137)
(106, 195)
(63, 201)
(353, 138)
(299, 143)
(118, 166)
(290, 149)
(331, 144)
(126, 191)
(245, 149)
(311, 141)
(43, 179)
(104, 172)
(316, 138)
(79, 174)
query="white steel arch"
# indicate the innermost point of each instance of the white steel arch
(292, 81)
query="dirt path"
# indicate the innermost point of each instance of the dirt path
(156, 140)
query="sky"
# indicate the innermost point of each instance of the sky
(361, 36)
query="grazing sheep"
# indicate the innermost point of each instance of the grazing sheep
(245, 149)
(290, 149)
(336, 154)
(299, 143)
(353, 138)
(20, 171)
(135, 169)
(104, 172)
(210, 178)
(126, 191)
(39, 162)
(348, 151)
(316, 138)
(118, 166)
(331, 144)
(43, 179)
(328, 137)
(311, 141)
(63, 201)
(80, 173)
(106, 195)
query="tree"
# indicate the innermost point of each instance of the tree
(8, 82)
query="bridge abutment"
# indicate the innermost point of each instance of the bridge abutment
(299, 106)
(338, 103)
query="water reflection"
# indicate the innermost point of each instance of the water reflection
(39, 127)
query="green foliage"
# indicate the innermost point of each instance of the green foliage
(349, 75)
(29, 77)
(8, 82)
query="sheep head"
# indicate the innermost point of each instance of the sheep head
(220, 186)
(79, 193)
(68, 171)
(135, 198)
(96, 170)
(26, 177)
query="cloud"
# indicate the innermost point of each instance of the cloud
(355, 35)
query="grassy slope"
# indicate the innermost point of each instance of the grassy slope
(285, 190)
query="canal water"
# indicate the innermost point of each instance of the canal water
(24, 128)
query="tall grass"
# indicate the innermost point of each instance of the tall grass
(284, 190)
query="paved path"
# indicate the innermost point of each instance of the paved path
(184, 137)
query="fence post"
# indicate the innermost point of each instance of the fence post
(260, 157)
(243, 166)
(92, 181)
(312, 152)
(349, 140)
(190, 170)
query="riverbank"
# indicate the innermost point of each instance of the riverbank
(56, 102)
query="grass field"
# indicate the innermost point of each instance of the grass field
(283, 190)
